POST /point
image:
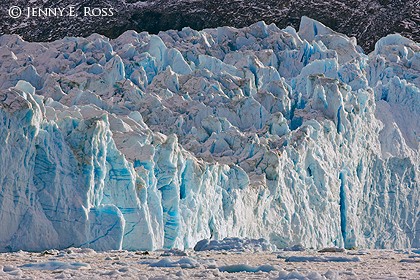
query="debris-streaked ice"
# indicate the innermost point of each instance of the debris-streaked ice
(234, 245)
(159, 141)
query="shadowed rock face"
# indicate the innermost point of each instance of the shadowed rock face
(367, 20)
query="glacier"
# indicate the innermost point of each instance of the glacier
(159, 141)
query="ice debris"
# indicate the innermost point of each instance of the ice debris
(332, 250)
(234, 245)
(184, 262)
(322, 259)
(55, 265)
(295, 248)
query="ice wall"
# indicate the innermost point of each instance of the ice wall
(158, 141)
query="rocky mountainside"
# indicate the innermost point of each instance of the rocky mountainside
(367, 20)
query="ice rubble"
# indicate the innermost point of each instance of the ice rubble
(182, 263)
(322, 259)
(159, 141)
(55, 265)
(234, 245)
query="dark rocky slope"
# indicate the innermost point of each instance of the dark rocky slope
(367, 20)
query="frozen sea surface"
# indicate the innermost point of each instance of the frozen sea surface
(76, 264)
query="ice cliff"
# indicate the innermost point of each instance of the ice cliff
(159, 141)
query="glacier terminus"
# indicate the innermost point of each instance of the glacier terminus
(159, 141)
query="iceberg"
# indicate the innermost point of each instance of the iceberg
(159, 141)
